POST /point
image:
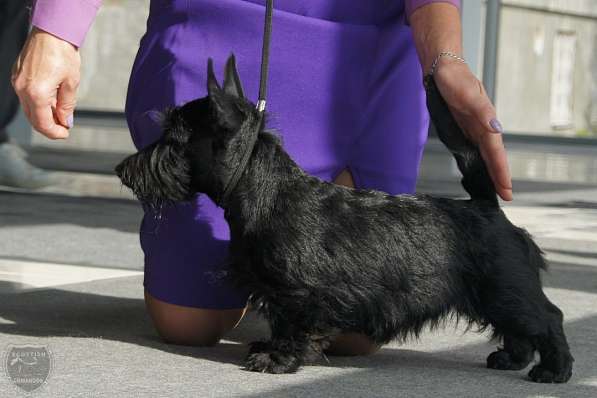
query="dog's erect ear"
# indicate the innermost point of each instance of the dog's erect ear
(222, 105)
(212, 83)
(232, 84)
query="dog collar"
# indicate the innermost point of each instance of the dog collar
(236, 176)
(242, 166)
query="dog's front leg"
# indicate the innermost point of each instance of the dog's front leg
(284, 353)
(276, 356)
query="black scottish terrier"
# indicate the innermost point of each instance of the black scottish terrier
(322, 259)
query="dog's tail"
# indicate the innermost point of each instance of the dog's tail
(475, 177)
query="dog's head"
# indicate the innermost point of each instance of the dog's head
(201, 147)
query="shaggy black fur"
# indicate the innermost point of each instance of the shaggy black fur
(323, 259)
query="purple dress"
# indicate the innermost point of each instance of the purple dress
(345, 92)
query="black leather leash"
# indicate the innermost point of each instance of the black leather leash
(261, 102)
(267, 37)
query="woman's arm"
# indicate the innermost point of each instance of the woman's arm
(46, 73)
(436, 28)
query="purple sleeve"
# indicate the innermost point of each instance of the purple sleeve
(412, 5)
(68, 19)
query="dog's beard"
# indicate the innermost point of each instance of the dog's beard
(159, 174)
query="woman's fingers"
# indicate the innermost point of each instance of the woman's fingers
(42, 119)
(491, 144)
(478, 127)
(39, 99)
(494, 154)
(45, 78)
(492, 150)
(66, 102)
(476, 115)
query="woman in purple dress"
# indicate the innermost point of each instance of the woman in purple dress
(345, 93)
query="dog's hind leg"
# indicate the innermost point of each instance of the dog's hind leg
(529, 321)
(556, 360)
(517, 353)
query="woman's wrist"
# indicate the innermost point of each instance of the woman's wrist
(436, 29)
(444, 57)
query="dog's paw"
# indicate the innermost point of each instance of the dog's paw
(502, 360)
(539, 374)
(262, 358)
(271, 362)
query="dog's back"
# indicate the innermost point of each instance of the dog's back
(340, 260)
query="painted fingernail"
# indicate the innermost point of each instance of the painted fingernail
(496, 126)
(70, 121)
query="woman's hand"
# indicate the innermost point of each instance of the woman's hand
(46, 77)
(475, 114)
(437, 28)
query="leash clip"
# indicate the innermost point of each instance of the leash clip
(261, 105)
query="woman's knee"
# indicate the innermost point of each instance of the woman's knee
(352, 344)
(190, 326)
(345, 178)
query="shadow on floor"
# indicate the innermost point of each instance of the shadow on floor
(453, 372)
(63, 313)
(26, 209)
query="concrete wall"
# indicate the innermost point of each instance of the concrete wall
(525, 63)
(108, 53)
